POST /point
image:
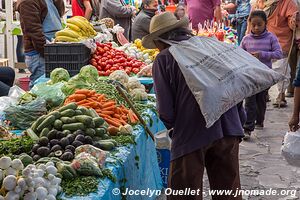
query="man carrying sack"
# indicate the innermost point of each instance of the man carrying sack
(194, 146)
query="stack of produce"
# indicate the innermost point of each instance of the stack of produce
(151, 52)
(78, 28)
(107, 60)
(113, 114)
(63, 127)
(136, 90)
(33, 182)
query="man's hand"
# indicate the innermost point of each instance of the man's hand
(293, 22)
(294, 123)
(255, 54)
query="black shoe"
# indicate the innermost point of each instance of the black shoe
(259, 126)
(22, 71)
(247, 135)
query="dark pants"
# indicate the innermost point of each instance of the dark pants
(20, 49)
(221, 160)
(255, 107)
(7, 77)
(293, 64)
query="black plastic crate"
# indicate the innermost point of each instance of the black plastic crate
(70, 56)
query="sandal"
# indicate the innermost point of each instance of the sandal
(280, 103)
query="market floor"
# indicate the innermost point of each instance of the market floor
(261, 165)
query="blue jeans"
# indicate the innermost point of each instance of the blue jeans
(241, 28)
(36, 65)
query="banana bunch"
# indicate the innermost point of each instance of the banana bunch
(82, 26)
(78, 28)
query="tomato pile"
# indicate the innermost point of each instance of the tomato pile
(107, 60)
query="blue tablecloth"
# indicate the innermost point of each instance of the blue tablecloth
(141, 174)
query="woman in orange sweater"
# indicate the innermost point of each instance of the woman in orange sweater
(281, 21)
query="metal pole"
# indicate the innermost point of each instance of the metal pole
(8, 32)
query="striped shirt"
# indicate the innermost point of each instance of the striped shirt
(266, 45)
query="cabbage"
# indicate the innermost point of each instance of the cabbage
(59, 75)
(76, 82)
(89, 73)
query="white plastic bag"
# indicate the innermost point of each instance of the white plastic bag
(14, 94)
(220, 75)
(162, 140)
(291, 148)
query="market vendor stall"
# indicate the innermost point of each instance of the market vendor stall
(83, 133)
(137, 168)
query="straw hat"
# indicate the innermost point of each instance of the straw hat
(161, 24)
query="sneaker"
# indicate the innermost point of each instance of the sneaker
(247, 135)
(259, 126)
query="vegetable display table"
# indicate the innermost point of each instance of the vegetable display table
(135, 167)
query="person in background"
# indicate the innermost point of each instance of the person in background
(194, 147)
(180, 11)
(86, 8)
(40, 20)
(281, 16)
(243, 8)
(7, 78)
(120, 12)
(294, 120)
(264, 46)
(200, 11)
(141, 23)
(20, 47)
(294, 58)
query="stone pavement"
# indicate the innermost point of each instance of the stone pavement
(261, 165)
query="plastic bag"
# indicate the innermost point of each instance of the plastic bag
(98, 154)
(162, 140)
(85, 164)
(52, 94)
(220, 75)
(14, 94)
(291, 148)
(22, 116)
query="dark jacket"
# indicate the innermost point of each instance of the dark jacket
(141, 24)
(32, 15)
(178, 109)
(119, 12)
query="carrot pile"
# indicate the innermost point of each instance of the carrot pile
(108, 109)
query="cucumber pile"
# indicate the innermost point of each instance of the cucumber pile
(60, 132)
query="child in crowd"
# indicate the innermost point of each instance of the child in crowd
(180, 11)
(264, 46)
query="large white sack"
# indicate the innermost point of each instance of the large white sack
(291, 148)
(220, 75)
